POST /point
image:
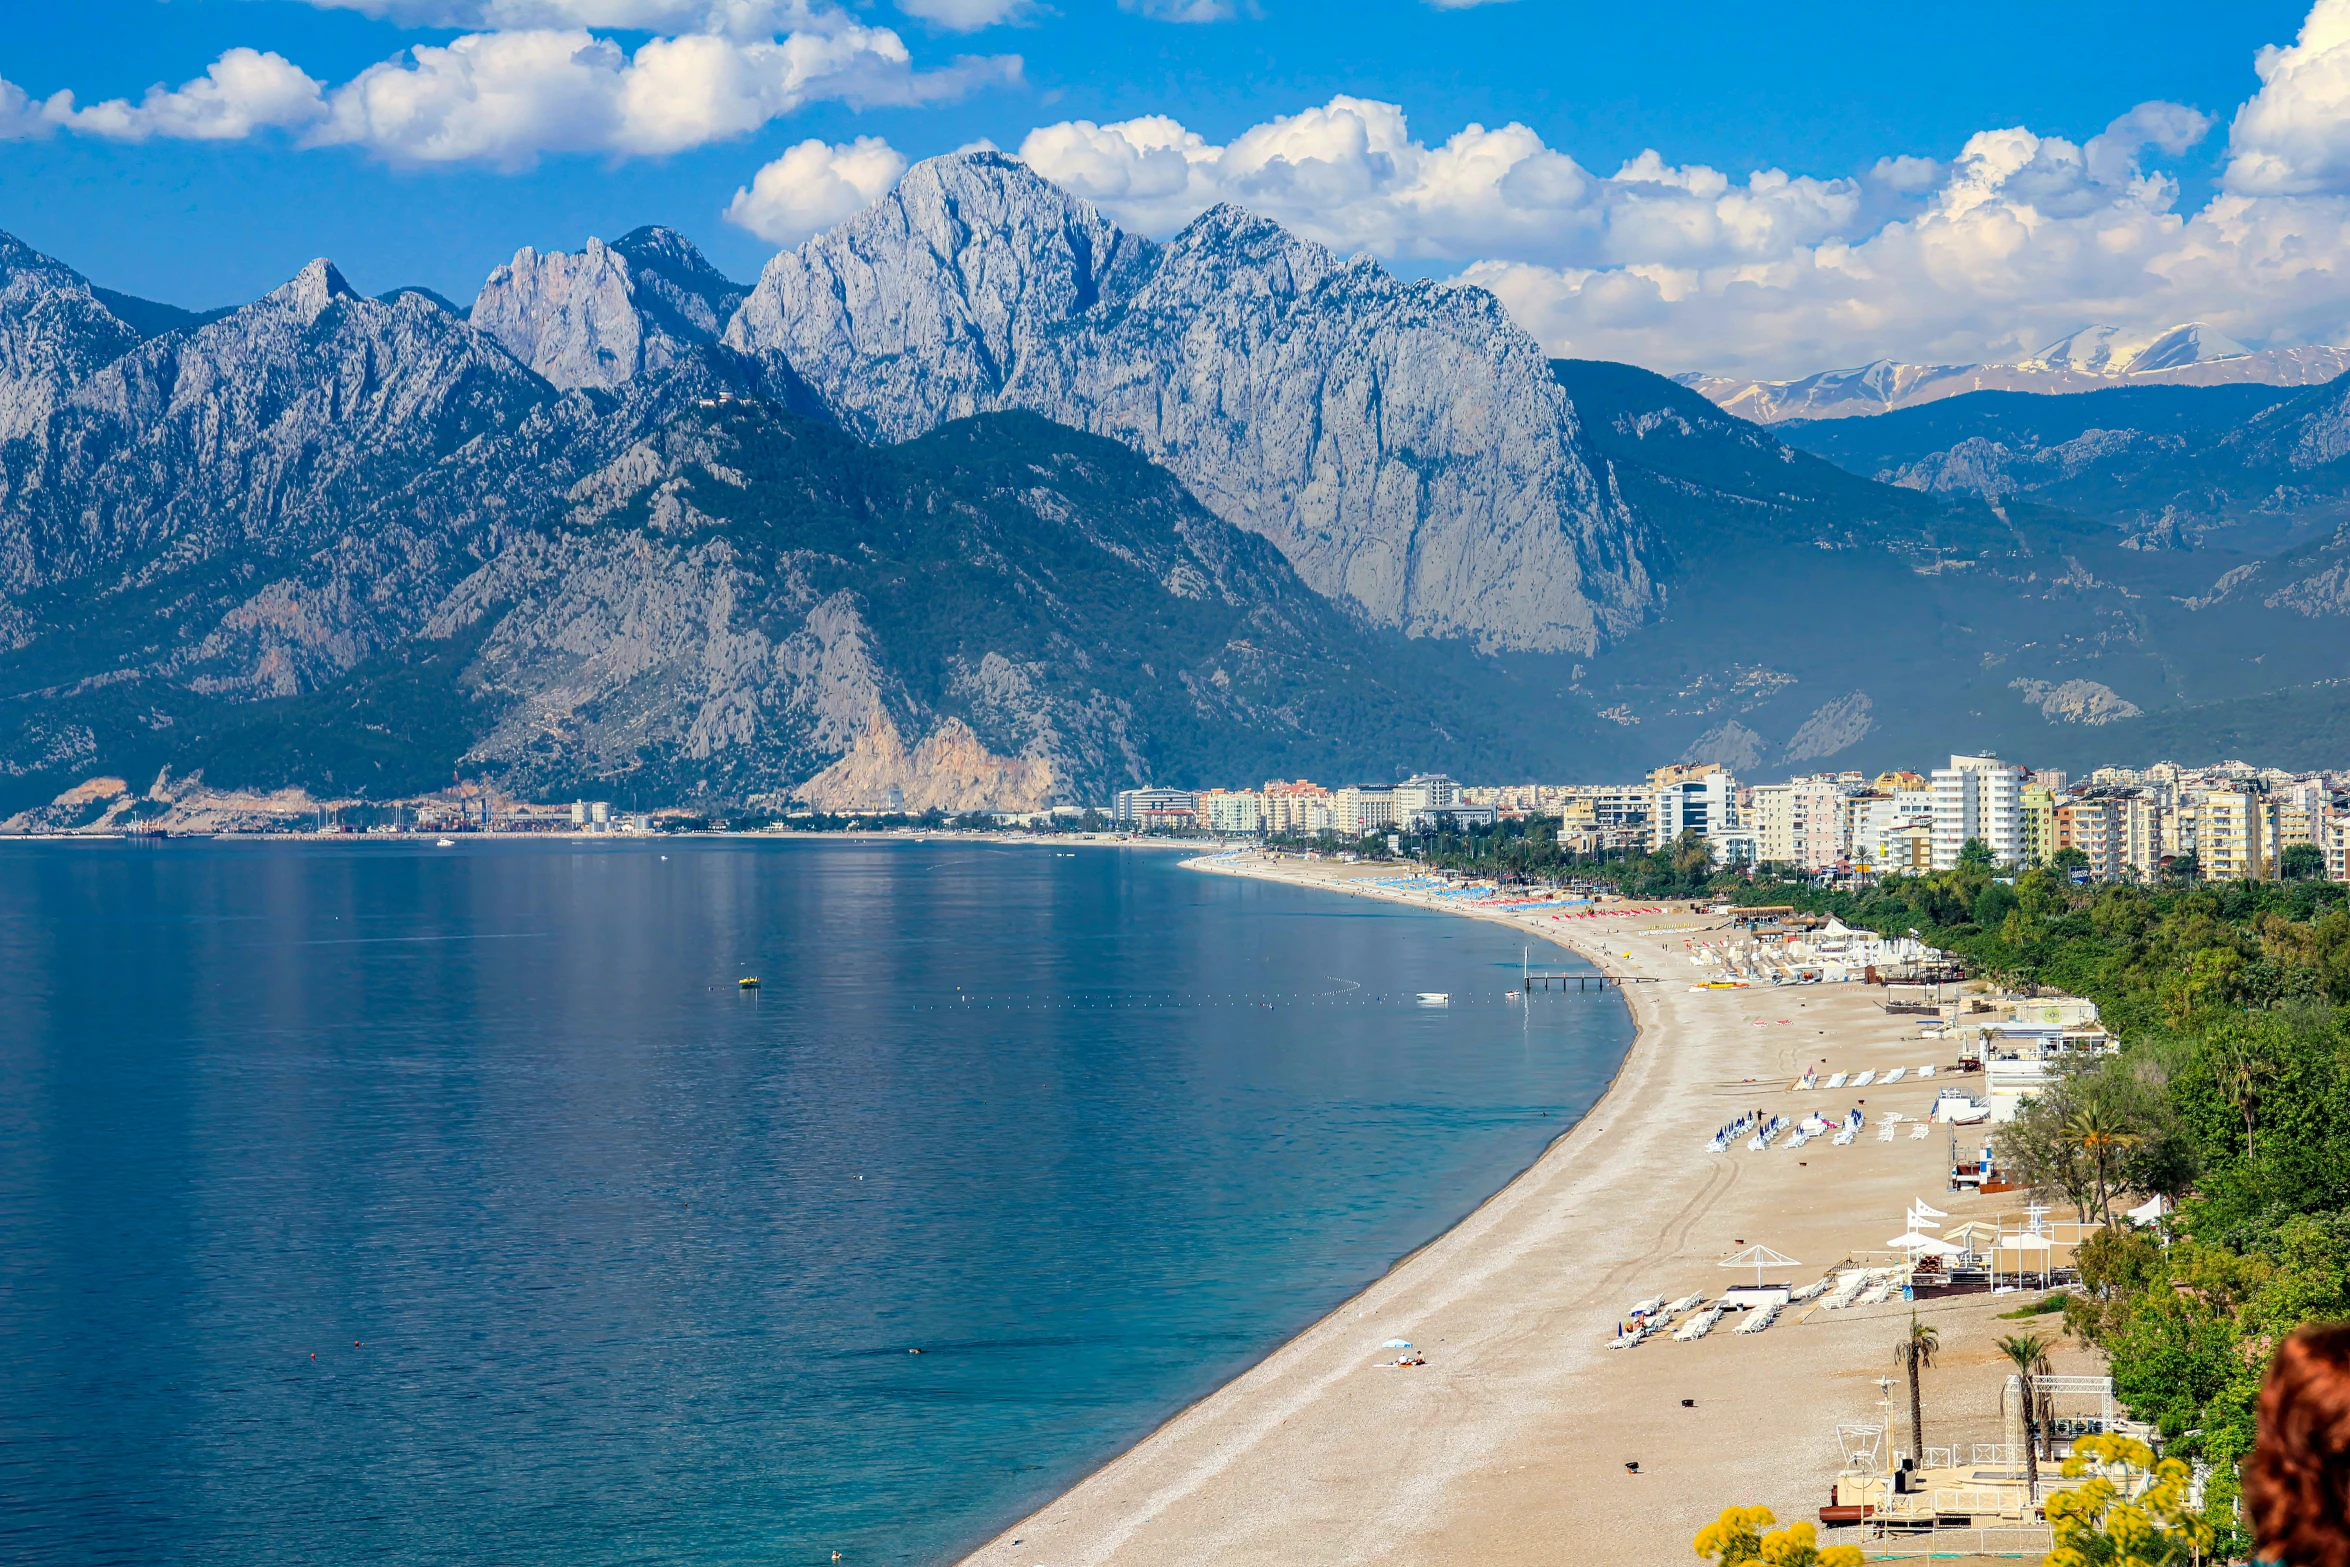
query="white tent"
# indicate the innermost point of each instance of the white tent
(1925, 1245)
(2148, 1212)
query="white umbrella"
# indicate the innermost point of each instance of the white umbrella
(1918, 1220)
(1915, 1206)
(1759, 1257)
(2024, 1242)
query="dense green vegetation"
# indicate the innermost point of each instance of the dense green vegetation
(2231, 1093)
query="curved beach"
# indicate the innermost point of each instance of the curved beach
(1511, 1443)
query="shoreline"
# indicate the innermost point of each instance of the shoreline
(1516, 1433)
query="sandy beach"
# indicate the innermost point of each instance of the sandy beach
(1510, 1444)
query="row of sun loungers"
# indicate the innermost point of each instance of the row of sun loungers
(1758, 1319)
(1862, 1080)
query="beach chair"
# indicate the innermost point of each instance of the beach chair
(1927, 1070)
(1864, 1079)
(1837, 1081)
(1885, 1133)
(1917, 1131)
(1894, 1076)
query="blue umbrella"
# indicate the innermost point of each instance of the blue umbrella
(1397, 1343)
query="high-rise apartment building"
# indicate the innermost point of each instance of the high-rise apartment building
(1978, 797)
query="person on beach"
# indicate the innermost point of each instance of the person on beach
(2297, 1481)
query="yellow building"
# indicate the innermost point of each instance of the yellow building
(2039, 810)
(2236, 836)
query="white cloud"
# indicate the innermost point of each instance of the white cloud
(2292, 138)
(2016, 241)
(969, 16)
(506, 97)
(242, 92)
(1350, 174)
(24, 117)
(813, 186)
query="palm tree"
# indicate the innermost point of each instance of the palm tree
(2029, 1352)
(2100, 1135)
(2244, 1072)
(1915, 1353)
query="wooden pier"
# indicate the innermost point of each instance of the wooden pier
(1583, 981)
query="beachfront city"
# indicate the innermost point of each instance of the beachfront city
(1139, 783)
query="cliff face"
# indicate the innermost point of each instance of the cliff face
(999, 616)
(1404, 445)
(609, 315)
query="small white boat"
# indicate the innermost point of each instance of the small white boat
(446, 843)
(1435, 998)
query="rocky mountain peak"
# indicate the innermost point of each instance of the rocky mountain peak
(608, 314)
(310, 291)
(54, 334)
(1404, 445)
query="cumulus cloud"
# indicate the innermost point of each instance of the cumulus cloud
(2292, 138)
(1351, 175)
(814, 186)
(2013, 242)
(506, 97)
(242, 92)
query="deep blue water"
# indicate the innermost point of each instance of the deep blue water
(389, 1204)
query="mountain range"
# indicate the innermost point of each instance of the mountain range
(978, 501)
(2096, 358)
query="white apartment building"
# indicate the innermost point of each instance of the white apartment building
(1978, 797)
(1357, 813)
(1701, 800)
(1238, 812)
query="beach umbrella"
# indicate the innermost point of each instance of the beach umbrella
(1397, 1343)
(1759, 1257)
(1918, 1206)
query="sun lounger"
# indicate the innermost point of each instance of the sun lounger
(1837, 1081)
(1896, 1075)
(1811, 1291)
(1917, 1130)
(1885, 1132)
(1700, 1325)
(1927, 1070)
(1759, 1318)
(1685, 1303)
(1864, 1079)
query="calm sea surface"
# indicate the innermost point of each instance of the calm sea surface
(391, 1204)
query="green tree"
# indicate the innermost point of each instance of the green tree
(1914, 1353)
(1975, 854)
(2301, 862)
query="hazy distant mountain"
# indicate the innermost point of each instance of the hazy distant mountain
(2093, 359)
(610, 314)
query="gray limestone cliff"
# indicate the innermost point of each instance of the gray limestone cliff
(1403, 444)
(610, 314)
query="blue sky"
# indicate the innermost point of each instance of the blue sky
(210, 199)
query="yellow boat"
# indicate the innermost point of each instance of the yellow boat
(749, 984)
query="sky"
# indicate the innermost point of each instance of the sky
(1724, 187)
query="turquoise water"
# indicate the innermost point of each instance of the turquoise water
(389, 1204)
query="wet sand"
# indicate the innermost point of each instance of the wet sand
(1510, 1444)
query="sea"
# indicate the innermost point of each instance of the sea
(371, 1202)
